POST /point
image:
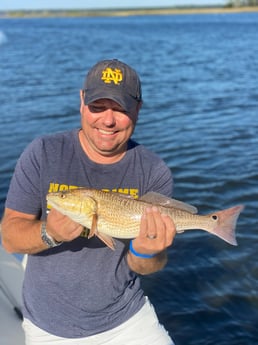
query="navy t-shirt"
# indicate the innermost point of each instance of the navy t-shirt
(82, 287)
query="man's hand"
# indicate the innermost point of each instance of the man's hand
(61, 227)
(157, 232)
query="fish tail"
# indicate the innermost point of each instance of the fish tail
(226, 223)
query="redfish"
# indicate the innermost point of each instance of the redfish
(109, 214)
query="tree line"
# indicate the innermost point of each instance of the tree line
(239, 3)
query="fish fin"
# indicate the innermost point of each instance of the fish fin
(162, 200)
(108, 240)
(93, 229)
(226, 223)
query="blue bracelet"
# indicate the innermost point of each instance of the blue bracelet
(144, 256)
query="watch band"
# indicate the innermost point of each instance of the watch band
(47, 239)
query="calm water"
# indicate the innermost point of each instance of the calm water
(200, 86)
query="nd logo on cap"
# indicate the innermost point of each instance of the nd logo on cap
(114, 80)
(112, 75)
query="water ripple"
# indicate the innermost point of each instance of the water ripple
(199, 114)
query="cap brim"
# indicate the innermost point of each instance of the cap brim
(127, 102)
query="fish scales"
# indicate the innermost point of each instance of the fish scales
(120, 216)
(117, 216)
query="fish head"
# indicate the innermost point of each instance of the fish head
(78, 206)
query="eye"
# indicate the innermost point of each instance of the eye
(63, 196)
(214, 217)
(95, 108)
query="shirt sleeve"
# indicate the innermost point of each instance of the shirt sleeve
(162, 179)
(156, 176)
(24, 190)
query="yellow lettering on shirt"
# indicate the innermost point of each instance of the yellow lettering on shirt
(56, 187)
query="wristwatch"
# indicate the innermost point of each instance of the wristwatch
(47, 239)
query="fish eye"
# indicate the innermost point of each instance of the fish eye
(62, 196)
(214, 217)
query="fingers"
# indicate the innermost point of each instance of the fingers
(157, 225)
(171, 229)
(149, 223)
(157, 231)
(61, 227)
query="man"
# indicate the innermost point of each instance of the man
(77, 290)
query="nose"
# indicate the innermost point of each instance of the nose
(109, 118)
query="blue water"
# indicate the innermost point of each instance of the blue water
(200, 113)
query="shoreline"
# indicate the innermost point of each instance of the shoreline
(124, 12)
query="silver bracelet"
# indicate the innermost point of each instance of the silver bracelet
(46, 238)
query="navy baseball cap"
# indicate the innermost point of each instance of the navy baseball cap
(113, 79)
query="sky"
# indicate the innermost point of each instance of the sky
(95, 4)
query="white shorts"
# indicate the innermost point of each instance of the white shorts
(141, 329)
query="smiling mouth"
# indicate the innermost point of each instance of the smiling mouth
(102, 131)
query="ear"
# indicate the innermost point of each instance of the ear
(82, 95)
(82, 99)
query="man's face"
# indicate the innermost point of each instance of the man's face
(106, 127)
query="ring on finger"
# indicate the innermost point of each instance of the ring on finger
(151, 237)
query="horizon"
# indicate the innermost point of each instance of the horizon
(9, 5)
